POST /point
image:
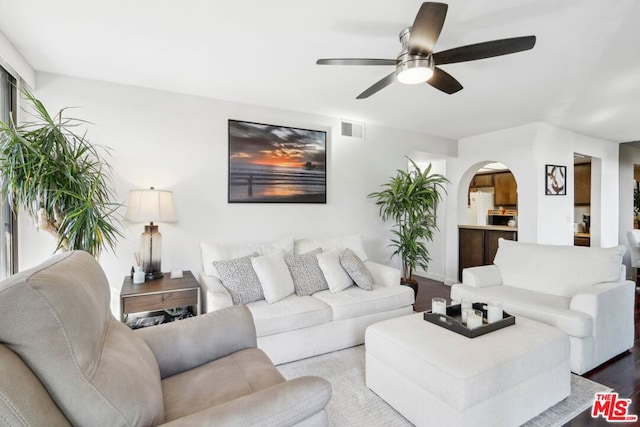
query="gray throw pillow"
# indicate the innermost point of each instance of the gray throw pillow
(306, 273)
(356, 269)
(240, 279)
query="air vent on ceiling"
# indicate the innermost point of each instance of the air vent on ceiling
(349, 129)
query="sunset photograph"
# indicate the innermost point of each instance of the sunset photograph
(269, 163)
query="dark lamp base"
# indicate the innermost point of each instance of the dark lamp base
(153, 276)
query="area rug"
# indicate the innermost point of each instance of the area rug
(353, 404)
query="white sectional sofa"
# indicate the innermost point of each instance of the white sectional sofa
(296, 327)
(579, 290)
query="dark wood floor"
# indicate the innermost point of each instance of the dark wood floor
(622, 373)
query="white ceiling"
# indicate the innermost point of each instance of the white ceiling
(583, 73)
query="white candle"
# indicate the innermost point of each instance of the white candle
(138, 277)
(439, 305)
(465, 304)
(474, 319)
(494, 311)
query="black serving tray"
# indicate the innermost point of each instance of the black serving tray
(453, 321)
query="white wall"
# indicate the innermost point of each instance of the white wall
(179, 143)
(526, 150)
(436, 247)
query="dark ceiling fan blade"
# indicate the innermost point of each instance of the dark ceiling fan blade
(444, 81)
(356, 61)
(377, 86)
(483, 50)
(426, 28)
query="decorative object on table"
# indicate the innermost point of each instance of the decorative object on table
(411, 199)
(452, 320)
(474, 319)
(151, 206)
(276, 164)
(555, 180)
(465, 304)
(60, 179)
(439, 305)
(494, 311)
(138, 274)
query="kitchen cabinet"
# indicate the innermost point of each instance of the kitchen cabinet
(582, 184)
(482, 180)
(477, 245)
(581, 239)
(505, 189)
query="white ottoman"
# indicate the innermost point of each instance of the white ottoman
(436, 377)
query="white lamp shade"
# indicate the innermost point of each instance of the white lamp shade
(150, 206)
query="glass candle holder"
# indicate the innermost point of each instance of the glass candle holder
(474, 319)
(439, 305)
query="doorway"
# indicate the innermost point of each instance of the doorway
(581, 200)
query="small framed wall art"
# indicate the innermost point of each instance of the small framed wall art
(276, 164)
(555, 180)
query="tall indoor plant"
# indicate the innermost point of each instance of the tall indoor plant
(59, 178)
(410, 200)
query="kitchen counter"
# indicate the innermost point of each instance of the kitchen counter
(581, 239)
(489, 227)
(478, 244)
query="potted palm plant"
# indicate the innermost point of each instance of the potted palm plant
(410, 200)
(58, 178)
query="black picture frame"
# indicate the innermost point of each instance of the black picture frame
(555, 180)
(276, 164)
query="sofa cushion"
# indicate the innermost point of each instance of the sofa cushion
(241, 373)
(290, 313)
(221, 251)
(239, 278)
(356, 269)
(274, 276)
(306, 273)
(551, 309)
(335, 275)
(355, 302)
(351, 241)
(95, 368)
(556, 270)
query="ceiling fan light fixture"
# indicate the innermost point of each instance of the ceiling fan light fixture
(417, 69)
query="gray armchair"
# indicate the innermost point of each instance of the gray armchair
(64, 359)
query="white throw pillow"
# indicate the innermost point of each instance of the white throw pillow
(222, 251)
(337, 278)
(274, 276)
(351, 241)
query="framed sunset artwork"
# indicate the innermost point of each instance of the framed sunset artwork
(276, 164)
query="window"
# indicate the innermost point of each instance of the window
(8, 258)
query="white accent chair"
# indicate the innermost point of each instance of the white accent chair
(579, 290)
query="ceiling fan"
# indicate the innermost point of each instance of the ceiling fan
(417, 63)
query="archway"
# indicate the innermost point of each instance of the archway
(490, 212)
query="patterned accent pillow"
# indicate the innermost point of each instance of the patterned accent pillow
(305, 271)
(240, 279)
(355, 267)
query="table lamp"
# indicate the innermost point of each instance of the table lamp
(151, 206)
